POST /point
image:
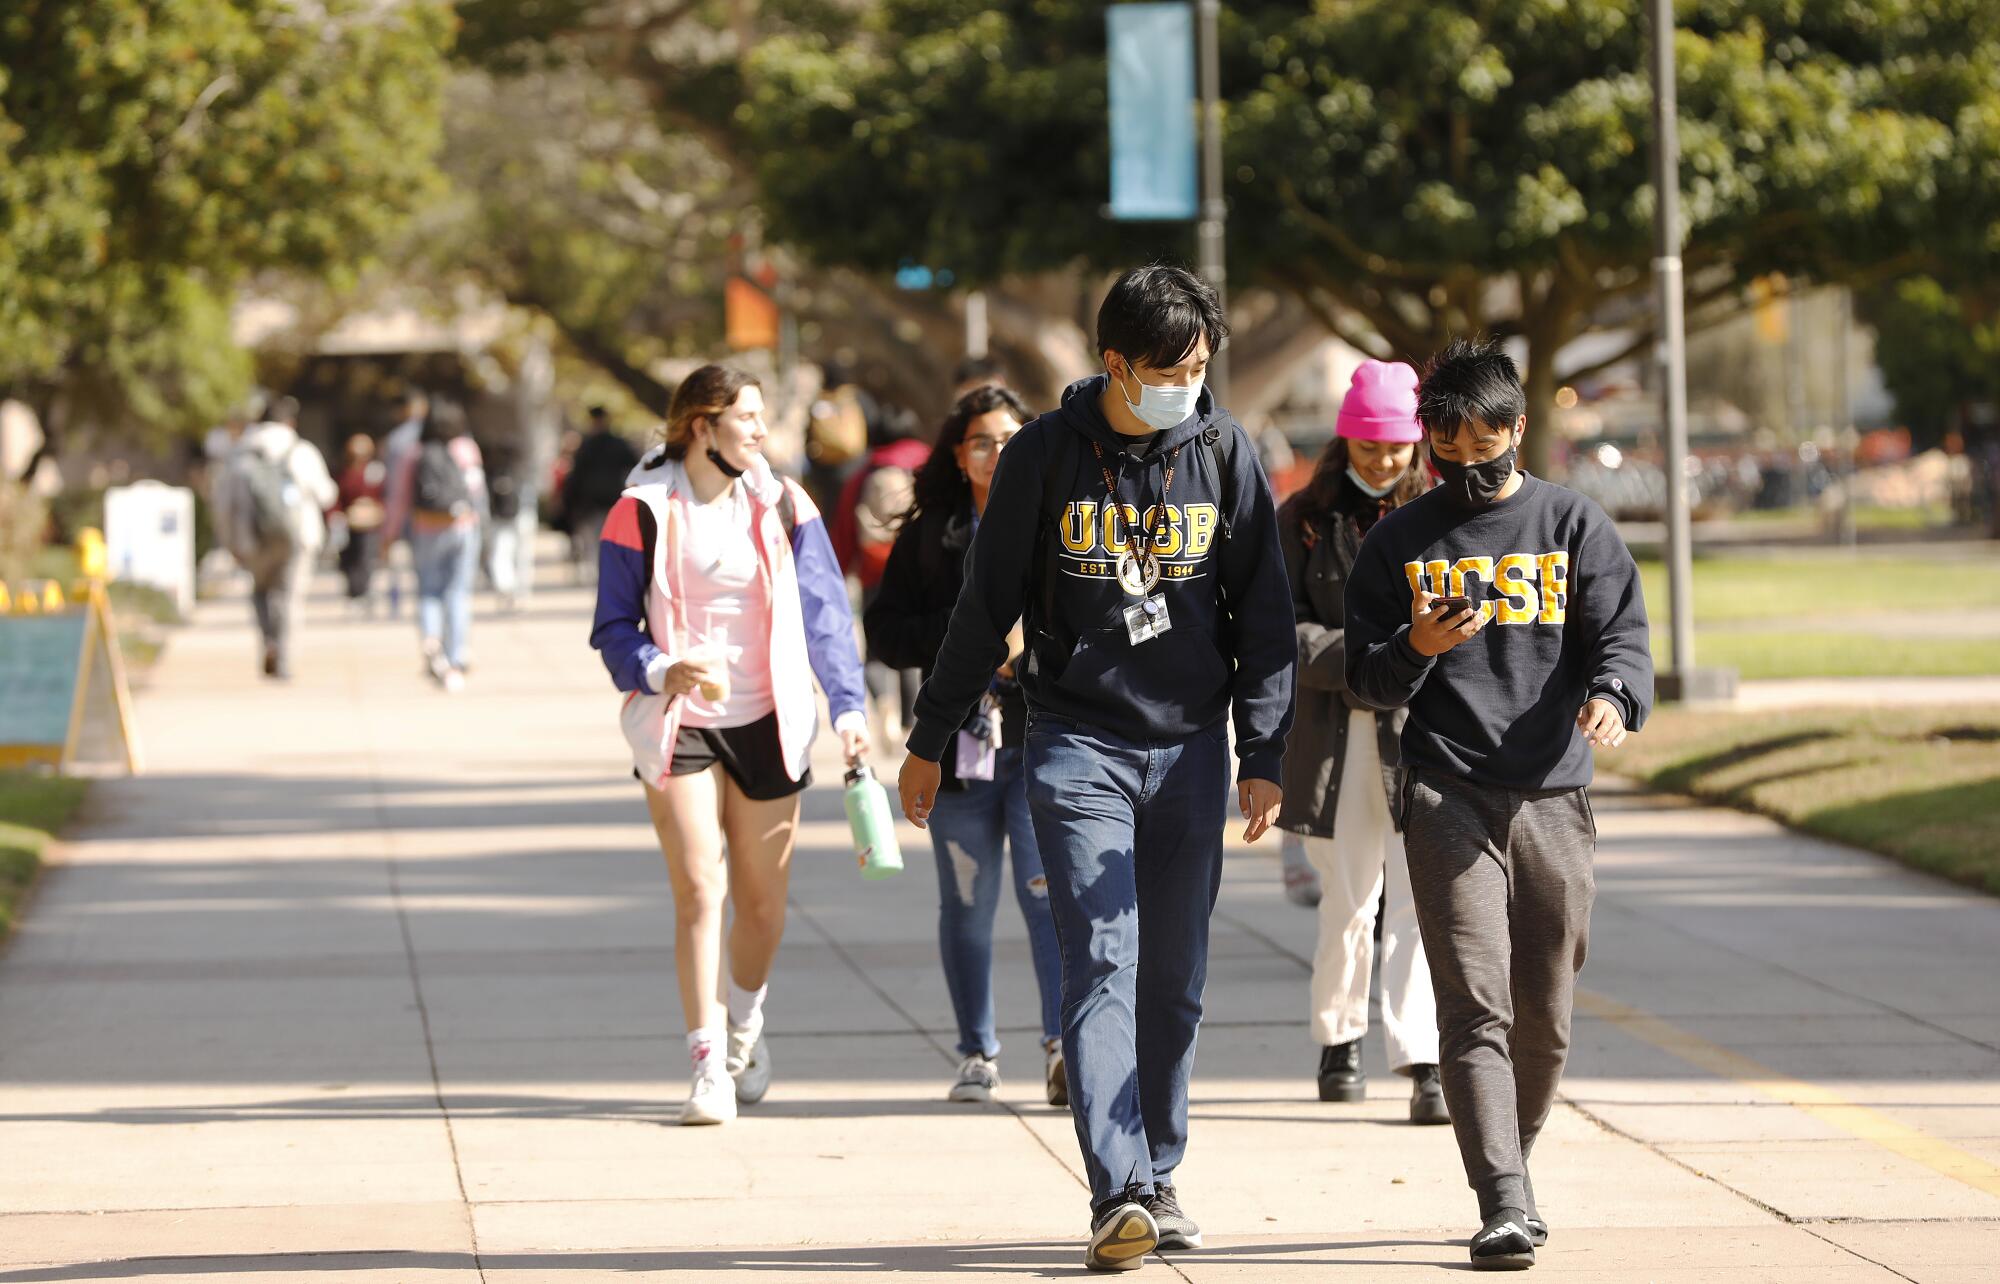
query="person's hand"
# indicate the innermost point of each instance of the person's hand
(853, 744)
(1430, 635)
(918, 785)
(1602, 725)
(1259, 800)
(1017, 642)
(685, 675)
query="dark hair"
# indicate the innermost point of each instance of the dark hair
(940, 487)
(1155, 314)
(703, 395)
(986, 369)
(280, 410)
(1315, 498)
(445, 422)
(1471, 381)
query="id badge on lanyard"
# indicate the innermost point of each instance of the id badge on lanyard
(1147, 619)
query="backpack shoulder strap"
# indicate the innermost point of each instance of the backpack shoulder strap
(1224, 474)
(788, 511)
(1057, 465)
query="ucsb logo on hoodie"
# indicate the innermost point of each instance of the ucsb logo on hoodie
(1093, 535)
(1528, 588)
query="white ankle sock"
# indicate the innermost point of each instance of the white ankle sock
(704, 1045)
(746, 1007)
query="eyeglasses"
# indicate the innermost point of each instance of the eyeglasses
(983, 447)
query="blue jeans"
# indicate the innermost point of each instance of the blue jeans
(1131, 837)
(446, 561)
(970, 833)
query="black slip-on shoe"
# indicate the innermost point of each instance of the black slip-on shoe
(1503, 1243)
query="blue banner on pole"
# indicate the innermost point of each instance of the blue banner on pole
(1151, 57)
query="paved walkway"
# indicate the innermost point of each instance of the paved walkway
(369, 982)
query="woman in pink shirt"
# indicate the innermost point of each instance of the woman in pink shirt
(718, 603)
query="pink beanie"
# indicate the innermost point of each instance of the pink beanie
(1381, 404)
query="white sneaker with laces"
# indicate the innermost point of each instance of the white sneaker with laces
(978, 1079)
(749, 1063)
(711, 1097)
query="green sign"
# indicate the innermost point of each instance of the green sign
(39, 660)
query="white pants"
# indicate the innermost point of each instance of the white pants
(1364, 853)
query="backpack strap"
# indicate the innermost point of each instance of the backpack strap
(1055, 498)
(1223, 473)
(788, 511)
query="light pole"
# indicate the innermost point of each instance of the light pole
(1214, 214)
(1678, 681)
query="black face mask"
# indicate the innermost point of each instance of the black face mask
(729, 470)
(1475, 485)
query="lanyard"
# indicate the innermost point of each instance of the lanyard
(1158, 526)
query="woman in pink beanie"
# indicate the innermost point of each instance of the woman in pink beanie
(1340, 758)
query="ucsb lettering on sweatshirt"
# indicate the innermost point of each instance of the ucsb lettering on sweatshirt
(1565, 624)
(1231, 641)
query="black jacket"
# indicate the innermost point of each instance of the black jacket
(907, 621)
(1318, 558)
(1229, 648)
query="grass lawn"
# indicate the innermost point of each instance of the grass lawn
(33, 807)
(1759, 654)
(1866, 518)
(1732, 595)
(1730, 589)
(1919, 784)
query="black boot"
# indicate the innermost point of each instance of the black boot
(1340, 1074)
(1427, 1096)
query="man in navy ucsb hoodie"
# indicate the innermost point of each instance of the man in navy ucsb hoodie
(1135, 530)
(1506, 613)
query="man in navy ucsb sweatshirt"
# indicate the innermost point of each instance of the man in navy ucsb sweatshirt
(1136, 531)
(1506, 613)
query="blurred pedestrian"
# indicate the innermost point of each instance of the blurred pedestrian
(982, 804)
(510, 528)
(412, 409)
(1341, 758)
(363, 479)
(716, 639)
(1507, 614)
(440, 495)
(595, 480)
(864, 523)
(1135, 529)
(269, 507)
(977, 372)
(841, 423)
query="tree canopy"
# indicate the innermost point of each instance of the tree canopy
(153, 156)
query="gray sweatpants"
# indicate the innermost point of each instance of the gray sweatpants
(1502, 881)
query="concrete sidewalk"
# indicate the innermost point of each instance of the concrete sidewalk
(370, 981)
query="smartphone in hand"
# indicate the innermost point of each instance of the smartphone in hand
(1444, 608)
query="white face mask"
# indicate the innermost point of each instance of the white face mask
(1162, 407)
(1373, 492)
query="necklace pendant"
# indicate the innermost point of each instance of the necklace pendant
(1138, 571)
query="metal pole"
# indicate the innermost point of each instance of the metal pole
(1673, 339)
(1849, 439)
(977, 336)
(1214, 213)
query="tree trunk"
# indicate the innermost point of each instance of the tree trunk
(1540, 383)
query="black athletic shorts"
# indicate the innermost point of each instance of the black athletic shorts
(750, 754)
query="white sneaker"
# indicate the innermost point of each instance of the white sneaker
(711, 1097)
(454, 681)
(978, 1080)
(749, 1063)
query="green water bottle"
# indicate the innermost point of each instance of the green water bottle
(872, 824)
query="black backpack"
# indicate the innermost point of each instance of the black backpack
(1059, 469)
(440, 483)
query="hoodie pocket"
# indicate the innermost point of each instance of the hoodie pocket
(1180, 670)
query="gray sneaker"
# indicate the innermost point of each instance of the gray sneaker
(1177, 1229)
(978, 1079)
(1121, 1238)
